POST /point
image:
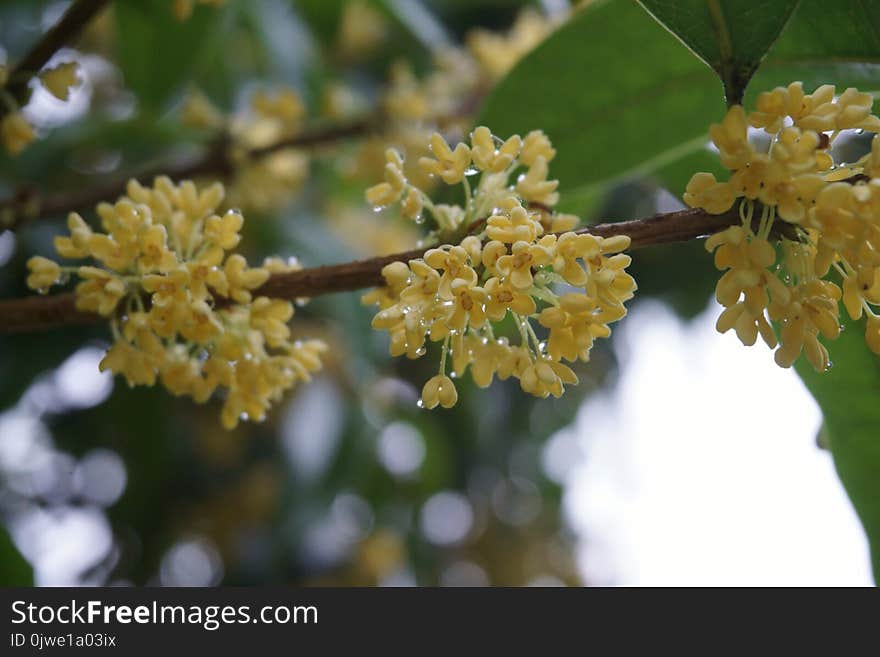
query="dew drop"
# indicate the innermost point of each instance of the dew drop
(420, 404)
(378, 208)
(453, 375)
(419, 218)
(471, 171)
(421, 351)
(829, 366)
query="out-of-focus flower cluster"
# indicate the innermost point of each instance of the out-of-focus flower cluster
(180, 301)
(270, 180)
(832, 213)
(446, 97)
(507, 260)
(15, 131)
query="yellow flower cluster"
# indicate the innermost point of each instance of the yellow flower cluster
(497, 53)
(180, 301)
(268, 182)
(517, 262)
(831, 216)
(15, 131)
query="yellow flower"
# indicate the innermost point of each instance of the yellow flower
(75, 246)
(488, 157)
(412, 205)
(573, 327)
(534, 186)
(439, 390)
(450, 165)
(242, 279)
(469, 306)
(812, 309)
(15, 132)
(155, 254)
(284, 105)
(168, 289)
(854, 111)
(546, 377)
(503, 296)
(731, 138)
(513, 225)
(138, 367)
(270, 317)
(223, 231)
(454, 263)
(388, 192)
(517, 266)
(100, 291)
(535, 145)
(703, 191)
(44, 273)
(198, 111)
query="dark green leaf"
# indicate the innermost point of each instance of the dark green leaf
(731, 36)
(847, 395)
(14, 570)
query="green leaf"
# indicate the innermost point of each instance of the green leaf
(14, 570)
(157, 53)
(825, 43)
(847, 395)
(637, 100)
(731, 36)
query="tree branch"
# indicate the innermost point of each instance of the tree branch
(40, 313)
(59, 35)
(214, 161)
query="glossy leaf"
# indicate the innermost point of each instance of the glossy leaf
(731, 36)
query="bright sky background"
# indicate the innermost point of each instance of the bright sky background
(700, 467)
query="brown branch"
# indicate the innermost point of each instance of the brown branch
(59, 35)
(39, 313)
(215, 160)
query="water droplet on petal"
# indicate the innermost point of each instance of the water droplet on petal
(471, 171)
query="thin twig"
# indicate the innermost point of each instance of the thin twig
(59, 35)
(40, 313)
(214, 161)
